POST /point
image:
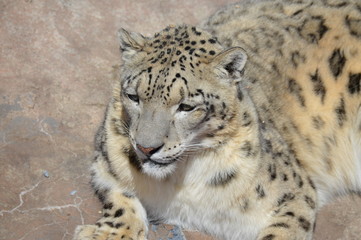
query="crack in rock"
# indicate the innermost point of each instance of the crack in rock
(21, 199)
(77, 202)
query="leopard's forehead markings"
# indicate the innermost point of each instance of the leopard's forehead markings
(178, 43)
(172, 55)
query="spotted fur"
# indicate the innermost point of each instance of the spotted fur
(241, 128)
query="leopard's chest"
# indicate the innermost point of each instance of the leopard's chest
(188, 201)
(216, 215)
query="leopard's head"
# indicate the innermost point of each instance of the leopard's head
(179, 91)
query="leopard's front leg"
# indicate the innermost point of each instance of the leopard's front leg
(292, 218)
(124, 217)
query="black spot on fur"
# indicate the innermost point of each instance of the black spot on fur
(246, 119)
(272, 171)
(194, 30)
(298, 179)
(267, 146)
(290, 214)
(280, 225)
(247, 148)
(275, 68)
(296, 90)
(304, 223)
(341, 112)
(318, 86)
(354, 83)
(110, 224)
(285, 198)
(313, 29)
(101, 193)
(354, 26)
(298, 162)
(119, 225)
(268, 237)
(239, 95)
(311, 183)
(119, 212)
(191, 51)
(297, 12)
(310, 202)
(337, 62)
(211, 108)
(297, 58)
(285, 177)
(318, 122)
(203, 50)
(260, 191)
(164, 60)
(108, 206)
(336, 4)
(212, 40)
(101, 143)
(133, 159)
(222, 178)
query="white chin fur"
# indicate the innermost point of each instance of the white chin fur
(157, 171)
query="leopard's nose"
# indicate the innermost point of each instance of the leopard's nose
(149, 151)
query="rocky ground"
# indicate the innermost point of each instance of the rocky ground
(57, 60)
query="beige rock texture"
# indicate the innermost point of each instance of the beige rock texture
(57, 61)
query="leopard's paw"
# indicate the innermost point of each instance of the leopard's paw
(110, 231)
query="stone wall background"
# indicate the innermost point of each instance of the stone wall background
(57, 60)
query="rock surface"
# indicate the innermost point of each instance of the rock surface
(57, 61)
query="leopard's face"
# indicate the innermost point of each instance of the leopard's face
(174, 110)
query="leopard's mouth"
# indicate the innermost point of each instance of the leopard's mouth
(159, 163)
(159, 169)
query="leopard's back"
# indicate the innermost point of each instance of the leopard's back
(306, 58)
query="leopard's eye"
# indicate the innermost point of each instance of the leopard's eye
(185, 107)
(133, 97)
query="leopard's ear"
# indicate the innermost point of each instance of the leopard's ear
(230, 63)
(131, 43)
